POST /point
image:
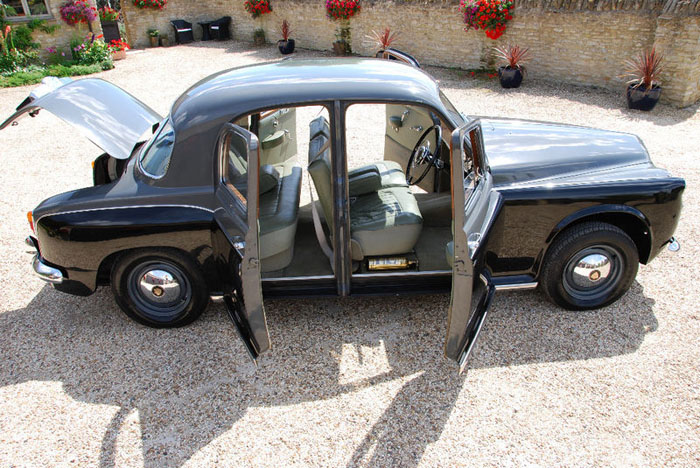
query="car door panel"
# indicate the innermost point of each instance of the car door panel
(277, 135)
(404, 125)
(476, 205)
(235, 239)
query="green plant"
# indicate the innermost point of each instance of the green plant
(513, 56)
(259, 33)
(645, 69)
(90, 50)
(153, 32)
(108, 14)
(35, 74)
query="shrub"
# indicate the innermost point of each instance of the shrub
(33, 75)
(645, 69)
(90, 50)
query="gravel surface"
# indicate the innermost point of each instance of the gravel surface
(353, 382)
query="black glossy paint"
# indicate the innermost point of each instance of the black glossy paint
(549, 175)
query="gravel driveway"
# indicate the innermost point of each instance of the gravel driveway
(353, 382)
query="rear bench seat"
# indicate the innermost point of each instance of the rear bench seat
(279, 213)
(280, 188)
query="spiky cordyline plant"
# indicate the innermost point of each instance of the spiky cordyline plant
(513, 55)
(383, 39)
(285, 30)
(645, 69)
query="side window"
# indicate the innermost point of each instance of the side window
(235, 170)
(156, 159)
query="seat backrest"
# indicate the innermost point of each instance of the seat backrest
(320, 170)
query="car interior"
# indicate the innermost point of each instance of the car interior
(394, 226)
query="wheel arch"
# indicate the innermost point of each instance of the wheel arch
(105, 268)
(632, 221)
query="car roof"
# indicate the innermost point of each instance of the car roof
(240, 90)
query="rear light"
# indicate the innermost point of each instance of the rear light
(30, 218)
(93, 164)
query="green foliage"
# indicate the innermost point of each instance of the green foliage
(34, 74)
(89, 51)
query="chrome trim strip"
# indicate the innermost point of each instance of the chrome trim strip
(403, 273)
(516, 286)
(87, 210)
(299, 278)
(45, 272)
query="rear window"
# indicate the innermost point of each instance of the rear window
(155, 160)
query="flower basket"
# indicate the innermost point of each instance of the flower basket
(490, 16)
(257, 8)
(119, 55)
(153, 4)
(74, 12)
(342, 11)
(118, 49)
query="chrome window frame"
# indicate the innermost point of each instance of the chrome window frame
(146, 148)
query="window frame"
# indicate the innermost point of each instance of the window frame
(26, 17)
(147, 147)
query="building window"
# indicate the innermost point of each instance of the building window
(26, 8)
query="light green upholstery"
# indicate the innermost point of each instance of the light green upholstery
(278, 215)
(269, 178)
(383, 220)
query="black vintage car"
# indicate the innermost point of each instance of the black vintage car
(207, 201)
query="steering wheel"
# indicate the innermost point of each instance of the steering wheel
(423, 156)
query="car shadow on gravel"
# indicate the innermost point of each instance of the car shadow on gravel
(193, 384)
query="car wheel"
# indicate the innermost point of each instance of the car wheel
(589, 266)
(159, 288)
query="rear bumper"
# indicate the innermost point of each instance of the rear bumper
(45, 272)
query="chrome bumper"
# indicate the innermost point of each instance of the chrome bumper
(45, 272)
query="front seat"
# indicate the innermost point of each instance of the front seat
(384, 219)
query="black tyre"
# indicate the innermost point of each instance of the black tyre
(590, 265)
(160, 288)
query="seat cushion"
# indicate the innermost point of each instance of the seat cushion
(391, 173)
(279, 212)
(386, 222)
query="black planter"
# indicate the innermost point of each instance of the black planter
(286, 47)
(110, 30)
(642, 99)
(510, 77)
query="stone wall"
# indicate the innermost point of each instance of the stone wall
(576, 41)
(60, 38)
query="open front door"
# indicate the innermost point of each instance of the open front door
(475, 206)
(236, 239)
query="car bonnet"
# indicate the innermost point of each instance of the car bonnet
(108, 116)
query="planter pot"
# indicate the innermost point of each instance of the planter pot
(119, 55)
(340, 48)
(642, 99)
(510, 77)
(259, 40)
(164, 41)
(286, 47)
(110, 30)
(154, 41)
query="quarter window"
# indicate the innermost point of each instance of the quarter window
(235, 169)
(156, 159)
(24, 8)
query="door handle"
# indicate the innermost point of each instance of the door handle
(417, 128)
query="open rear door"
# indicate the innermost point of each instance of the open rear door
(236, 239)
(475, 206)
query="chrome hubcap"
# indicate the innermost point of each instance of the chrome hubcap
(593, 272)
(159, 289)
(159, 286)
(590, 270)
